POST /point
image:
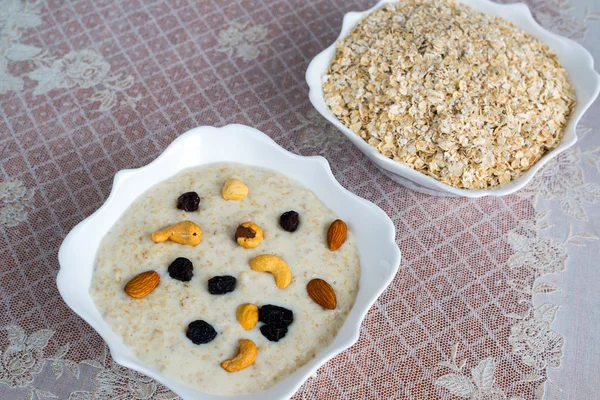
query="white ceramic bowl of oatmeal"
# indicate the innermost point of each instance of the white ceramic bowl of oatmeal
(371, 234)
(574, 58)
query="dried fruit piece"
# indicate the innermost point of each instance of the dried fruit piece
(244, 232)
(275, 315)
(276, 266)
(142, 284)
(200, 332)
(273, 333)
(234, 189)
(185, 232)
(322, 293)
(247, 315)
(189, 201)
(289, 221)
(336, 235)
(249, 235)
(246, 356)
(221, 284)
(181, 269)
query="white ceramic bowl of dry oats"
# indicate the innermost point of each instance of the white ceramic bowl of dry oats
(196, 273)
(448, 98)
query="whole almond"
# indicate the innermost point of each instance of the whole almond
(322, 293)
(336, 235)
(142, 284)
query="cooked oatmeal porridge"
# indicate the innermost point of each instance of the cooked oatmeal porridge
(155, 326)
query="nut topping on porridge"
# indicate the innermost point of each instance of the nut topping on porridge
(234, 189)
(276, 266)
(322, 293)
(247, 353)
(221, 284)
(200, 332)
(189, 201)
(247, 315)
(154, 334)
(249, 235)
(336, 235)
(142, 284)
(181, 269)
(185, 232)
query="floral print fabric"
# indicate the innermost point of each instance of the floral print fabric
(480, 308)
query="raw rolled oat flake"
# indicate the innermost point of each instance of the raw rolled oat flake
(464, 97)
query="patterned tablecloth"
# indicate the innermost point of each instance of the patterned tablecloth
(496, 298)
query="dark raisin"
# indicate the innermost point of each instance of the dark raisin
(276, 316)
(181, 269)
(221, 284)
(273, 333)
(289, 221)
(189, 201)
(243, 232)
(200, 332)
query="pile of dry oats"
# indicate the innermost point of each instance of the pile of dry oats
(464, 97)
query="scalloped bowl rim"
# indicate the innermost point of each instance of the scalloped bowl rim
(77, 252)
(571, 55)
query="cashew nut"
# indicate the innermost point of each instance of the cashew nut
(245, 357)
(247, 315)
(249, 235)
(275, 265)
(234, 189)
(185, 232)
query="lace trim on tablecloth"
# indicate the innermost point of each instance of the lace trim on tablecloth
(83, 68)
(530, 335)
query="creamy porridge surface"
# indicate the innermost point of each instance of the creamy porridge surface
(154, 327)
